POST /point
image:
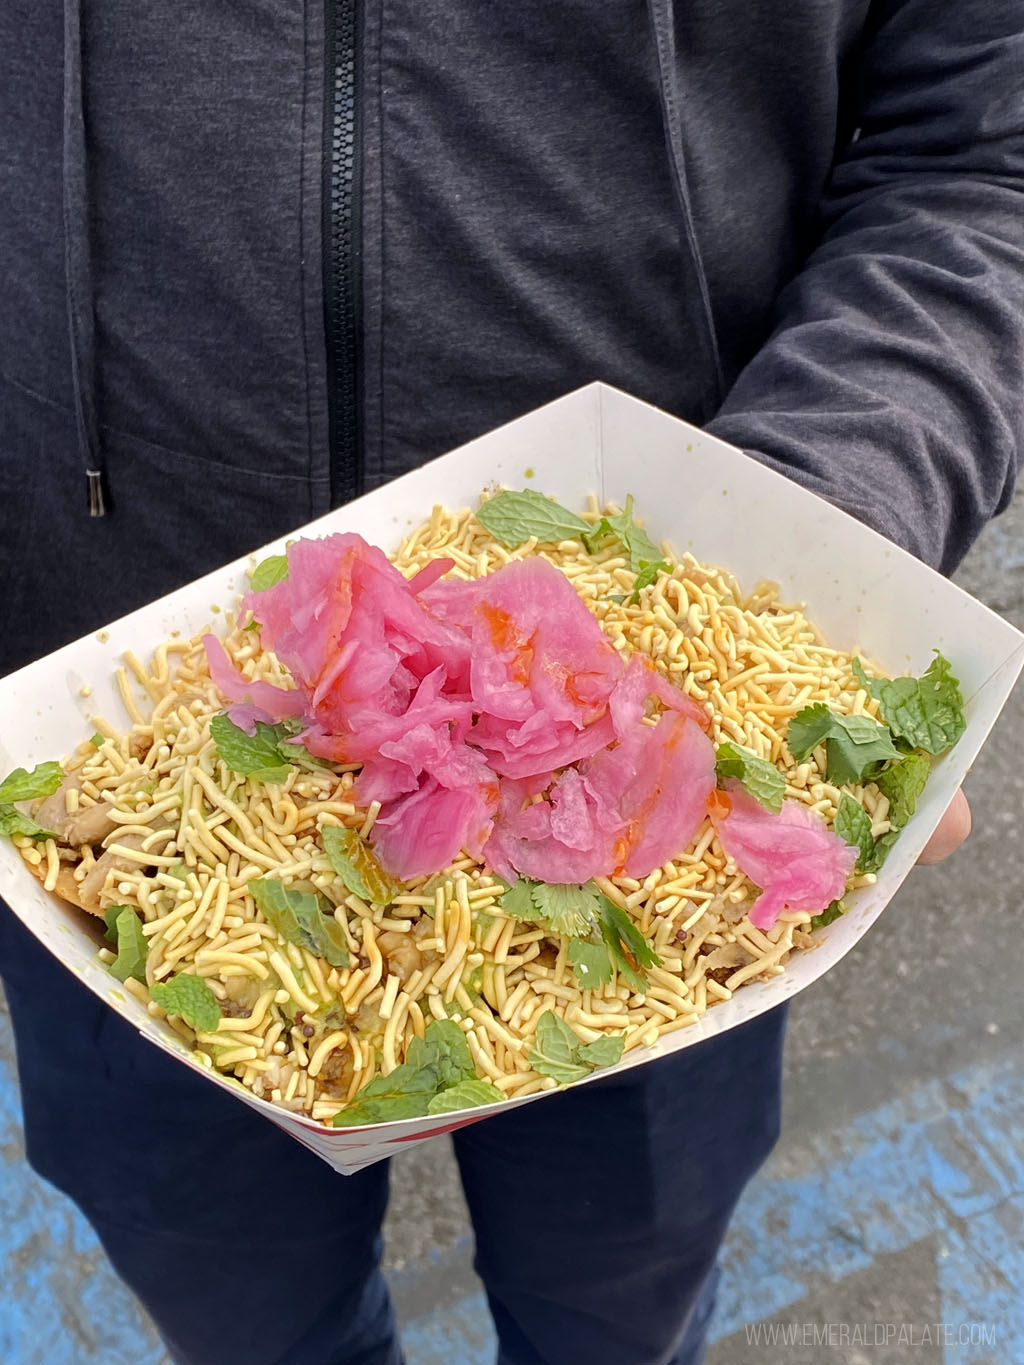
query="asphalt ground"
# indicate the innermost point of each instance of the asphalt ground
(888, 1225)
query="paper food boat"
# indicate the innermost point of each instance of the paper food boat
(700, 494)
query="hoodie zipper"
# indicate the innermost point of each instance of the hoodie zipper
(341, 248)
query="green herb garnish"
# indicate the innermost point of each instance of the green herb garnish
(513, 518)
(570, 910)
(926, 712)
(265, 755)
(560, 1053)
(830, 913)
(760, 778)
(190, 998)
(438, 1071)
(855, 746)
(273, 569)
(903, 783)
(357, 866)
(124, 928)
(301, 917)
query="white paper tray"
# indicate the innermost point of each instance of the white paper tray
(699, 493)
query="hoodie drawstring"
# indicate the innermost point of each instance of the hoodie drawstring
(699, 302)
(77, 262)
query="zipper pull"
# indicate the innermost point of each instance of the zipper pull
(97, 502)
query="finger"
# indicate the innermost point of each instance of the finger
(950, 832)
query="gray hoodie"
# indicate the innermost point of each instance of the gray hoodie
(256, 257)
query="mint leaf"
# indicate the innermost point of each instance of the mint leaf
(514, 517)
(273, 569)
(257, 755)
(648, 573)
(555, 1052)
(131, 943)
(903, 783)
(629, 949)
(357, 867)
(465, 1095)
(43, 780)
(299, 917)
(110, 920)
(437, 1065)
(13, 822)
(853, 824)
(591, 962)
(641, 549)
(444, 1048)
(760, 778)
(403, 1094)
(928, 711)
(854, 745)
(830, 913)
(190, 998)
(559, 1052)
(882, 847)
(604, 1051)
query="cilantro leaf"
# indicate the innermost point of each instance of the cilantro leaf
(437, 1065)
(903, 783)
(257, 755)
(299, 917)
(563, 909)
(760, 778)
(14, 822)
(43, 780)
(854, 745)
(190, 998)
(591, 962)
(514, 517)
(466, 1095)
(131, 943)
(928, 711)
(830, 913)
(853, 824)
(629, 949)
(560, 1053)
(273, 569)
(517, 900)
(357, 866)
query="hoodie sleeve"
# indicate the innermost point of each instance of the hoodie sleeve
(893, 382)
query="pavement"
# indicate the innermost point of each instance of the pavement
(887, 1226)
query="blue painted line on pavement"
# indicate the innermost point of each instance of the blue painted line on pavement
(62, 1304)
(945, 1161)
(920, 1166)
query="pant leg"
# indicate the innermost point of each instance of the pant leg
(242, 1245)
(599, 1213)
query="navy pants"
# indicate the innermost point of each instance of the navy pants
(598, 1213)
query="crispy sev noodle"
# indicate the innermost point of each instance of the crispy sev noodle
(308, 1036)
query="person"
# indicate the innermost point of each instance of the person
(261, 257)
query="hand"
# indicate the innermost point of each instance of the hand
(950, 832)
